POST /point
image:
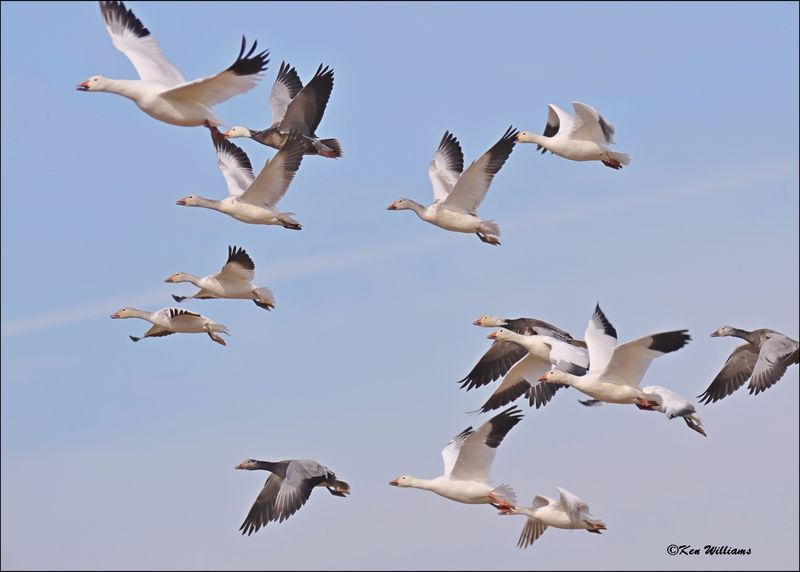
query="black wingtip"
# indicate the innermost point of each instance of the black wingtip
(608, 329)
(238, 255)
(667, 342)
(116, 11)
(134, 338)
(178, 298)
(249, 64)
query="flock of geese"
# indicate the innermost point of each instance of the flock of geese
(534, 359)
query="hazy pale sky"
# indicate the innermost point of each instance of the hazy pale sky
(121, 455)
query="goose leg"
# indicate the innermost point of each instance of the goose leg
(613, 163)
(488, 239)
(499, 503)
(216, 338)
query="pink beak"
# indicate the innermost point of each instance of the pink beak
(83, 86)
(543, 378)
(492, 336)
(115, 315)
(477, 322)
(180, 202)
(227, 133)
(394, 483)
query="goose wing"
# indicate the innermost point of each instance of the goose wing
(473, 184)
(305, 111)
(446, 166)
(738, 367)
(285, 88)
(130, 37)
(477, 452)
(240, 77)
(233, 163)
(239, 266)
(275, 177)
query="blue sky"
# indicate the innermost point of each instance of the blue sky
(120, 455)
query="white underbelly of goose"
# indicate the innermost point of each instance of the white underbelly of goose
(469, 492)
(452, 220)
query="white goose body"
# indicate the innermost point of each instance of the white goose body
(253, 199)
(440, 215)
(467, 462)
(458, 193)
(467, 492)
(615, 372)
(234, 281)
(161, 91)
(584, 137)
(568, 512)
(169, 321)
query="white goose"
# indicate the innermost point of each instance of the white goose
(161, 91)
(234, 281)
(467, 462)
(174, 321)
(568, 512)
(543, 352)
(584, 137)
(253, 199)
(457, 195)
(615, 372)
(672, 405)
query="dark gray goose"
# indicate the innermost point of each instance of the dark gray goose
(502, 355)
(763, 360)
(234, 281)
(287, 489)
(296, 108)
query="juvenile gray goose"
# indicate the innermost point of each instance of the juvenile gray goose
(287, 489)
(296, 108)
(763, 359)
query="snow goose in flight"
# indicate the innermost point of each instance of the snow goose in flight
(543, 352)
(568, 512)
(296, 108)
(174, 321)
(499, 358)
(584, 137)
(615, 372)
(253, 199)
(234, 281)
(161, 91)
(763, 359)
(456, 194)
(467, 462)
(287, 489)
(672, 405)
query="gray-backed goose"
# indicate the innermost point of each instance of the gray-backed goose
(287, 489)
(296, 108)
(763, 359)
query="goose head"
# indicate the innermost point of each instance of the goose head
(403, 481)
(177, 277)
(400, 205)
(124, 313)
(248, 465)
(237, 131)
(555, 376)
(502, 334)
(723, 331)
(490, 322)
(94, 83)
(189, 201)
(526, 137)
